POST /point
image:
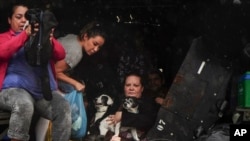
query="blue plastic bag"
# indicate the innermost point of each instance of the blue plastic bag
(78, 114)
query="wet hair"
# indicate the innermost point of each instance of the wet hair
(93, 29)
(142, 80)
(13, 5)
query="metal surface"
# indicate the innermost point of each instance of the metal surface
(196, 98)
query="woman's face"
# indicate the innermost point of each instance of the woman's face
(17, 20)
(133, 86)
(93, 44)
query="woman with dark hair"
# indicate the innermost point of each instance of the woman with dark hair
(21, 90)
(89, 40)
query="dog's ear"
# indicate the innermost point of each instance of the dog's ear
(110, 101)
(106, 99)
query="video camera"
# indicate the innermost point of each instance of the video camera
(33, 16)
(38, 49)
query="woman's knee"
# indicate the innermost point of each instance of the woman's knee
(24, 107)
(64, 105)
(60, 105)
(24, 103)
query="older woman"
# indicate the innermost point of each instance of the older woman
(145, 118)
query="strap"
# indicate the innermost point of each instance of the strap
(39, 45)
(45, 83)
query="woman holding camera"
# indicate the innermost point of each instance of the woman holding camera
(20, 87)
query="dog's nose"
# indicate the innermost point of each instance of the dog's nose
(124, 104)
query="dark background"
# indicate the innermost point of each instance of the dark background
(165, 28)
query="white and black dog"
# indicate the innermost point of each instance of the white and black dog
(102, 104)
(99, 126)
(131, 105)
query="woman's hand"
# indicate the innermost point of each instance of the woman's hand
(113, 119)
(79, 87)
(159, 100)
(29, 31)
(51, 35)
(115, 138)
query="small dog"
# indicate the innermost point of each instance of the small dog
(102, 105)
(99, 126)
(131, 105)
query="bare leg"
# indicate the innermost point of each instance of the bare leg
(41, 129)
